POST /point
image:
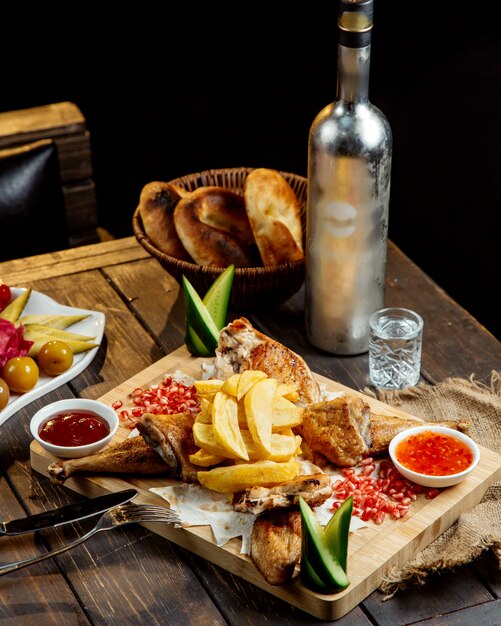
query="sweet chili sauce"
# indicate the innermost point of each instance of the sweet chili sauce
(434, 454)
(74, 428)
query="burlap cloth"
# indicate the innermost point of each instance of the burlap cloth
(480, 528)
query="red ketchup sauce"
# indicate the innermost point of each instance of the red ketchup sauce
(434, 454)
(74, 428)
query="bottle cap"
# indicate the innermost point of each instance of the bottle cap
(355, 22)
(355, 16)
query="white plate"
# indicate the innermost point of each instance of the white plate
(92, 326)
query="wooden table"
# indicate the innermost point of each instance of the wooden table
(132, 576)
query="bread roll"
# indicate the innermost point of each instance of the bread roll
(156, 208)
(274, 216)
(213, 226)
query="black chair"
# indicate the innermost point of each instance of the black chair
(32, 210)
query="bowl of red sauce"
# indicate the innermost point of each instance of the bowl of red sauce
(75, 427)
(434, 456)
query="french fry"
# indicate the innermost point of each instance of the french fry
(204, 437)
(242, 417)
(225, 424)
(258, 404)
(288, 391)
(208, 387)
(205, 414)
(283, 445)
(206, 408)
(234, 478)
(202, 418)
(246, 423)
(230, 385)
(285, 414)
(205, 459)
(283, 448)
(248, 378)
(285, 431)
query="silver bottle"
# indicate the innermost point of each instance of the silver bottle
(349, 167)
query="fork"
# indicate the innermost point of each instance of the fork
(128, 513)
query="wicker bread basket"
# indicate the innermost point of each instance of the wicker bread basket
(253, 287)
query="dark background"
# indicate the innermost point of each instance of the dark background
(158, 107)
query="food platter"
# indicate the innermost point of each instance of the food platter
(93, 326)
(372, 550)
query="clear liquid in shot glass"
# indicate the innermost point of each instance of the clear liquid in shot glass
(395, 348)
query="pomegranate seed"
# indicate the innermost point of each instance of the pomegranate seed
(388, 492)
(167, 398)
(432, 493)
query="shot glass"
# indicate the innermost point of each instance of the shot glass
(395, 348)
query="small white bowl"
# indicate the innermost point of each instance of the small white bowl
(427, 480)
(74, 404)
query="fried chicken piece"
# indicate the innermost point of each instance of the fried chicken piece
(171, 436)
(276, 544)
(314, 488)
(241, 347)
(384, 427)
(131, 456)
(336, 430)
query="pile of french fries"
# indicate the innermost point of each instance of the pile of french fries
(245, 429)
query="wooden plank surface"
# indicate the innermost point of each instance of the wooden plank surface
(59, 118)
(372, 550)
(20, 272)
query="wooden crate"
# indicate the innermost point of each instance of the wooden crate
(64, 123)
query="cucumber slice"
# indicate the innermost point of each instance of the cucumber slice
(216, 302)
(337, 529)
(199, 318)
(310, 578)
(195, 346)
(314, 547)
(218, 296)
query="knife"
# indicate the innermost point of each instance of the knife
(66, 514)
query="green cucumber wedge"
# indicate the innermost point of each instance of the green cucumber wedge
(194, 344)
(310, 578)
(198, 317)
(315, 550)
(216, 302)
(218, 296)
(337, 530)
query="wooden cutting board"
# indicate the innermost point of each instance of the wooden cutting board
(372, 550)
